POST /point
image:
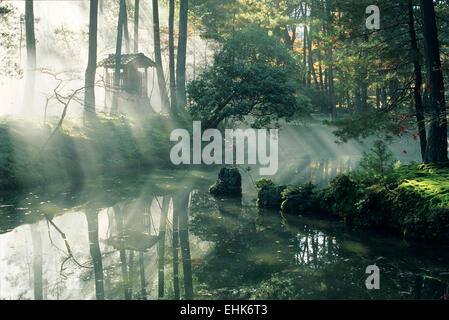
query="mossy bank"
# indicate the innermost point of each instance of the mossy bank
(412, 202)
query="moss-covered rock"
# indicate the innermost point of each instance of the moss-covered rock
(415, 206)
(301, 199)
(270, 197)
(229, 183)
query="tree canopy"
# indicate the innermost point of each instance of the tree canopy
(252, 75)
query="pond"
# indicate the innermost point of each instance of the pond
(162, 236)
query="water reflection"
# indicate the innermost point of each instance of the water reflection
(183, 244)
(95, 253)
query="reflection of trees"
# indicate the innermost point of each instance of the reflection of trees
(236, 257)
(119, 219)
(143, 291)
(37, 261)
(175, 250)
(181, 204)
(161, 246)
(95, 253)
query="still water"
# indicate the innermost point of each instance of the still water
(161, 236)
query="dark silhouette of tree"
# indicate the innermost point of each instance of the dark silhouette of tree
(171, 49)
(31, 56)
(89, 82)
(158, 58)
(182, 52)
(437, 141)
(136, 25)
(118, 57)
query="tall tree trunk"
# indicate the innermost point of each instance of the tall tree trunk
(158, 58)
(419, 109)
(320, 70)
(31, 57)
(436, 150)
(89, 82)
(136, 26)
(118, 58)
(182, 52)
(171, 49)
(312, 73)
(95, 253)
(125, 30)
(305, 55)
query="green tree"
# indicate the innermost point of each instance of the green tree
(253, 75)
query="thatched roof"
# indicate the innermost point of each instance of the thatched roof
(139, 59)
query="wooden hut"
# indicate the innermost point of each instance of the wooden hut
(133, 89)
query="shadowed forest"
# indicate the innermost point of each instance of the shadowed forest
(351, 97)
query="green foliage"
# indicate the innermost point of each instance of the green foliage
(219, 19)
(10, 33)
(301, 199)
(416, 207)
(264, 183)
(341, 196)
(378, 163)
(252, 78)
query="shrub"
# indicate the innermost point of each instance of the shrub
(375, 210)
(341, 196)
(301, 199)
(264, 183)
(378, 164)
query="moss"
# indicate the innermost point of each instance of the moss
(301, 199)
(414, 205)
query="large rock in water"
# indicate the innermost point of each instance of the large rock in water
(270, 197)
(229, 183)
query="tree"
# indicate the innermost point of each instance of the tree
(252, 75)
(118, 57)
(11, 41)
(182, 52)
(158, 57)
(31, 55)
(419, 108)
(125, 29)
(171, 49)
(136, 26)
(437, 143)
(89, 82)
